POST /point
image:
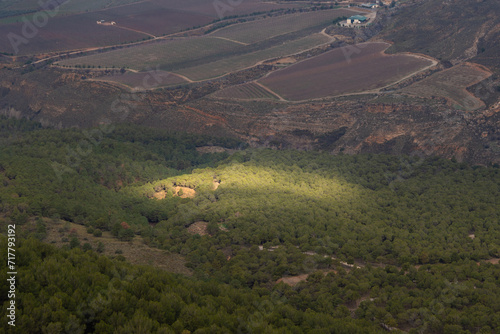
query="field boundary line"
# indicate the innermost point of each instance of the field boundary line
(230, 40)
(260, 62)
(270, 91)
(184, 77)
(134, 30)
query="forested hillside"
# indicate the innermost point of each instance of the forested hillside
(371, 242)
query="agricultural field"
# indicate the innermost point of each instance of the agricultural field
(247, 91)
(210, 7)
(198, 58)
(66, 33)
(352, 69)
(151, 18)
(168, 55)
(451, 84)
(144, 80)
(66, 7)
(259, 30)
(236, 63)
(75, 27)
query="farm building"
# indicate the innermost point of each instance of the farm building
(103, 22)
(356, 19)
(369, 5)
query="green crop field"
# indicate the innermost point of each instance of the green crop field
(230, 64)
(259, 30)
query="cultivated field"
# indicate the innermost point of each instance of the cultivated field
(451, 84)
(235, 7)
(346, 70)
(248, 91)
(151, 18)
(259, 30)
(66, 7)
(231, 64)
(75, 26)
(144, 80)
(171, 54)
(66, 33)
(199, 58)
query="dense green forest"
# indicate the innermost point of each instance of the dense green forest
(382, 242)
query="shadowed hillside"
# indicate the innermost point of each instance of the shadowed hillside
(448, 30)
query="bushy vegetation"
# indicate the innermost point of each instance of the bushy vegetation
(384, 241)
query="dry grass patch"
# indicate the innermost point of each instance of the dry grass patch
(160, 195)
(135, 251)
(184, 192)
(294, 280)
(199, 228)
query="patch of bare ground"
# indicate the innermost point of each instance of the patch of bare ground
(160, 194)
(135, 251)
(184, 192)
(199, 228)
(294, 280)
(282, 61)
(493, 261)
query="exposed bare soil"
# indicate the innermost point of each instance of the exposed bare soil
(186, 192)
(199, 227)
(357, 68)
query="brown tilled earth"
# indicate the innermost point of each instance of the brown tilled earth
(345, 70)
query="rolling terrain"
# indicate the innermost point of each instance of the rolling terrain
(250, 167)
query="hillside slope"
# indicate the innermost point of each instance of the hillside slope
(452, 30)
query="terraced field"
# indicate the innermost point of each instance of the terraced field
(248, 91)
(231, 64)
(259, 30)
